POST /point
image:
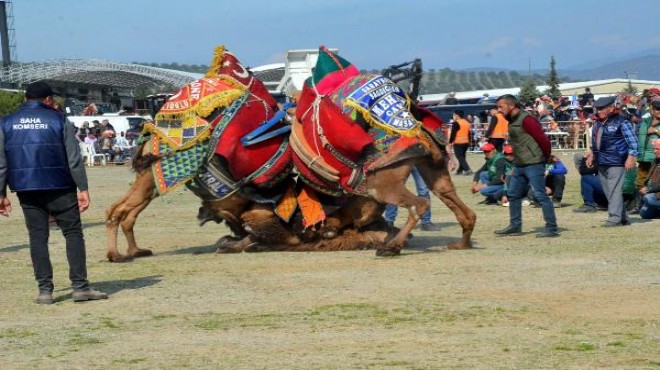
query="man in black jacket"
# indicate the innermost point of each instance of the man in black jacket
(40, 161)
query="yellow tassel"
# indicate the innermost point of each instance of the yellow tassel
(366, 114)
(216, 63)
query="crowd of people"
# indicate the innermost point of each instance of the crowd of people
(101, 136)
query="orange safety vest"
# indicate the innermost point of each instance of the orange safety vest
(501, 130)
(463, 133)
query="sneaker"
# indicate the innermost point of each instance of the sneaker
(509, 230)
(88, 295)
(556, 204)
(429, 227)
(44, 298)
(526, 203)
(505, 204)
(586, 209)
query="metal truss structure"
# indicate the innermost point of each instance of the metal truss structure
(94, 72)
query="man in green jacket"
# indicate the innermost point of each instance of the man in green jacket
(648, 130)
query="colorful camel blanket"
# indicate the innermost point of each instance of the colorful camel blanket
(181, 123)
(176, 167)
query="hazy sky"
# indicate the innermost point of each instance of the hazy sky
(370, 33)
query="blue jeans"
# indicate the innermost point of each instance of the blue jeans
(491, 192)
(650, 207)
(592, 191)
(422, 191)
(519, 181)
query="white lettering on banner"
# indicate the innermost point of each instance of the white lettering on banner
(195, 90)
(30, 126)
(31, 120)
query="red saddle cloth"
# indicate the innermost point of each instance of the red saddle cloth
(243, 161)
(344, 135)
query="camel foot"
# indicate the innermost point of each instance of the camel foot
(141, 253)
(459, 245)
(118, 258)
(388, 252)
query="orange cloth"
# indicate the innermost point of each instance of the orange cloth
(463, 133)
(310, 207)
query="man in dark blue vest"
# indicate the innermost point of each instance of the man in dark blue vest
(614, 151)
(40, 161)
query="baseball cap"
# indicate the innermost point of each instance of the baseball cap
(488, 147)
(508, 149)
(38, 90)
(604, 102)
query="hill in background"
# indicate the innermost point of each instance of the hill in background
(434, 81)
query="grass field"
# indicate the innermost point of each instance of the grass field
(588, 299)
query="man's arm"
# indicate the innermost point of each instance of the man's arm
(500, 168)
(454, 131)
(491, 126)
(74, 158)
(532, 127)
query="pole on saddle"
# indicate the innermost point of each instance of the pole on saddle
(261, 133)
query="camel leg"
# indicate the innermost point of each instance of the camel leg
(388, 186)
(438, 179)
(358, 212)
(124, 212)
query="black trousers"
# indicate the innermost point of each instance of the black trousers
(460, 150)
(499, 143)
(63, 206)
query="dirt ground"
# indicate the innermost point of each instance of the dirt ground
(588, 299)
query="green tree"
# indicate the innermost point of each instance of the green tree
(528, 92)
(553, 80)
(629, 89)
(9, 101)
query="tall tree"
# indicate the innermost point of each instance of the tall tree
(553, 80)
(629, 89)
(528, 92)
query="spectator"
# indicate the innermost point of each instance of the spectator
(587, 98)
(489, 179)
(614, 151)
(484, 99)
(498, 129)
(531, 149)
(91, 139)
(82, 132)
(105, 126)
(42, 164)
(460, 140)
(507, 151)
(451, 99)
(107, 144)
(422, 191)
(591, 190)
(651, 190)
(555, 181)
(648, 130)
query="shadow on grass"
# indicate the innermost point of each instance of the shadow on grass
(93, 224)
(111, 287)
(15, 248)
(428, 243)
(202, 249)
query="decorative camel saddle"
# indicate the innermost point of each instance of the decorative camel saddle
(350, 124)
(197, 134)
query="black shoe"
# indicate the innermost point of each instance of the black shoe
(509, 230)
(429, 227)
(586, 209)
(615, 224)
(547, 234)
